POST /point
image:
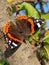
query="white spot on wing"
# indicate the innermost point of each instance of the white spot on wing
(11, 47)
(9, 41)
(38, 25)
(37, 20)
(14, 44)
(6, 39)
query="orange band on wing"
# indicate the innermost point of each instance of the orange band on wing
(6, 27)
(10, 36)
(32, 24)
(20, 17)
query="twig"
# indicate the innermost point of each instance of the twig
(36, 48)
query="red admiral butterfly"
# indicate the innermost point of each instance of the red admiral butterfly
(16, 34)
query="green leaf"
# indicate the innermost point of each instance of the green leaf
(46, 47)
(45, 16)
(36, 34)
(20, 5)
(13, 8)
(1, 64)
(43, 53)
(46, 39)
(30, 10)
(30, 38)
(4, 61)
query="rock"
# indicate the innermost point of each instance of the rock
(24, 56)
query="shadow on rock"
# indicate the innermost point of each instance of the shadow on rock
(9, 51)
